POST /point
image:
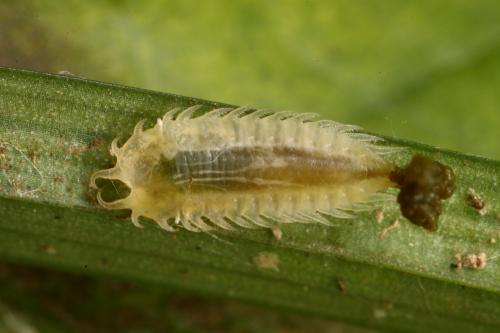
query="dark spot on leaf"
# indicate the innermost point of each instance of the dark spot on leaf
(49, 249)
(102, 261)
(341, 285)
(96, 142)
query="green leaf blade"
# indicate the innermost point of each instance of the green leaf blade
(56, 131)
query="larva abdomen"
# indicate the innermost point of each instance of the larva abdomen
(248, 168)
(257, 167)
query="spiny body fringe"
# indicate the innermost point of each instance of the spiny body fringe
(226, 128)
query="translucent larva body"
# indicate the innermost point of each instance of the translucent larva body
(233, 167)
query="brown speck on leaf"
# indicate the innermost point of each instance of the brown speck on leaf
(472, 260)
(32, 156)
(277, 233)
(379, 313)
(96, 142)
(341, 285)
(393, 225)
(76, 149)
(91, 198)
(267, 260)
(102, 261)
(49, 249)
(458, 262)
(340, 250)
(16, 184)
(58, 180)
(379, 215)
(475, 201)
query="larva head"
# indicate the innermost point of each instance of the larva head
(135, 159)
(139, 166)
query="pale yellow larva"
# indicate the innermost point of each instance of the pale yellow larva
(234, 167)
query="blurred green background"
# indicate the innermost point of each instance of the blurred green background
(422, 70)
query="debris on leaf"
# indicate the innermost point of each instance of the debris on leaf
(472, 260)
(49, 249)
(475, 201)
(277, 233)
(379, 313)
(379, 215)
(341, 285)
(267, 260)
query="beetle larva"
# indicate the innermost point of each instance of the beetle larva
(235, 167)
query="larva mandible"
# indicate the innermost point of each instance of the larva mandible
(234, 167)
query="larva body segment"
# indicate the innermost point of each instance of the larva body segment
(230, 167)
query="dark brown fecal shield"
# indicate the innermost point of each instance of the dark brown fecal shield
(423, 183)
